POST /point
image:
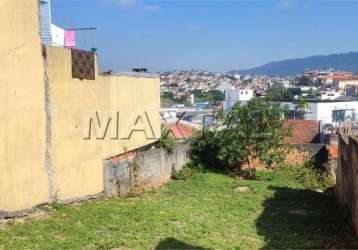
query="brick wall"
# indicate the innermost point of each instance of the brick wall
(298, 154)
(303, 131)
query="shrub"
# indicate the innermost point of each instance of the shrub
(204, 149)
(186, 172)
(167, 142)
(57, 206)
(312, 176)
(253, 131)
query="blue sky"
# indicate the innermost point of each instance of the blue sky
(215, 35)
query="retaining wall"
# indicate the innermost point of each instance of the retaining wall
(143, 170)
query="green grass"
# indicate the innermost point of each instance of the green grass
(200, 212)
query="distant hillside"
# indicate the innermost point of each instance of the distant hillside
(344, 62)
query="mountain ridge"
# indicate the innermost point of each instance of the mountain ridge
(340, 61)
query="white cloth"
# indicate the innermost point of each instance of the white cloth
(58, 36)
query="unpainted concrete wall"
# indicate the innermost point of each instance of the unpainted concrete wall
(347, 176)
(147, 169)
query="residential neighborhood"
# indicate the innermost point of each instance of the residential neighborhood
(113, 137)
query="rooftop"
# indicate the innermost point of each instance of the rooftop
(338, 99)
(131, 74)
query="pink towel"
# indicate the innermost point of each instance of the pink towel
(70, 38)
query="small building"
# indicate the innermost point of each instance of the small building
(237, 95)
(225, 86)
(328, 95)
(344, 83)
(330, 112)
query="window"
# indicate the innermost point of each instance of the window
(296, 114)
(349, 115)
(343, 115)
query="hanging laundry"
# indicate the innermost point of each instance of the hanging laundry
(70, 39)
(58, 36)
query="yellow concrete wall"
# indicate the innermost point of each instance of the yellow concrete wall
(78, 162)
(23, 176)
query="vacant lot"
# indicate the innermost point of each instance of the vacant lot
(200, 212)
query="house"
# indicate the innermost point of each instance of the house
(237, 95)
(225, 86)
(330, 112)
(328, 95)
(330, 77)
(344, 83)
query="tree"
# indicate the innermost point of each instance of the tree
(199, 95)
(182, 100)
(210, 96)
(253, 131)
(168, 95)
(304, 80)
(167, 98)
(278, 93)
(216, 95)
(301, 105)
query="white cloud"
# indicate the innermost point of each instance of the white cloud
(284, 4)
(151, 8)
(135, 4)
(125, 3)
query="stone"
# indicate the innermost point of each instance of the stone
(242, 189)
(19, 221)
(239, 178)
(38, 215)
(3, 224)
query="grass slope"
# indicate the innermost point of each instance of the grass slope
(200, 212)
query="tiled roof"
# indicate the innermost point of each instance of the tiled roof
(181, 131)
(123, 156)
